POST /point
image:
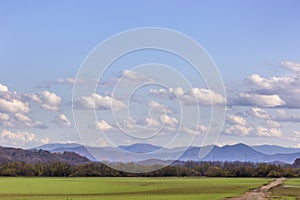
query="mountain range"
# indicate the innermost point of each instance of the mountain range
(143, 152)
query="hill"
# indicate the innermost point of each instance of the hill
(8, 154)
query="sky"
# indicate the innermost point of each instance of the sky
(254, 44)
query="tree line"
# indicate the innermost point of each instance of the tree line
(189, 168)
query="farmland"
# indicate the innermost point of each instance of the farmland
(290, 190)
(125, 188)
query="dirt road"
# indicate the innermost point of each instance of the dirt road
(261, 193)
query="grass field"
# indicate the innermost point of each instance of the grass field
(125, 188)
(288, 191)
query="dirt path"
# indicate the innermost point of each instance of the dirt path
(261, 193)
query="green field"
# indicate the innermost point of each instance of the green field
(125, 188)
(289, 190)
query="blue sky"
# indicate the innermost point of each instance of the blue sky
(44, 41)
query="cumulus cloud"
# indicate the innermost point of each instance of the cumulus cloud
(199, 130)
(273, 119)
(169, 123)
(238, 130)
(253, 99)
(19, 138)
(67, 81)
(258, 113)
(291, 65)
(201, 96)
(283, 116)
(11, 102)
(169, 120)
(3, 88)
(20, 120)
(151, 123)
(103, 125)
(287, 87)
(126, 77)
(62, 120)
(234, 119)
(158, 107)
(265, 132)
(297, 133)
(134, 76)
(47, 100)
(4, 117)
(16, 138)
(98, 102)
(272, 123)
(45, 140)
(13, 106)
(271, 85)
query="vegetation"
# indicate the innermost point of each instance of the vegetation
(92, 169)
(289, 190)
(8, 155)
(125, 188)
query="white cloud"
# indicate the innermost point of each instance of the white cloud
(9, 138)
(98, 102)
(199, 130)
(169, 120)
(45, 140)
(4, 117)
(20, 120)
(258, 113)
(269, 85)
(134, 76)
(19, 138)
(157, 107)
(11, 102)
(67, 81)
(3, 88)
(234, 119)
(227, 142)
(297, 133)
(62, 120)
(272, 123)
(238, 130)
(150, 123)
(265, 132)
(264, 101)
(201, 96)
(206, 97)
(286, 117)
(13, 106)
(291, 65)
(47, 100)
(125, 78)
(103, 125)
(169, 123)
(287, 87)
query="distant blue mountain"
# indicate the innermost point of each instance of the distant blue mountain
(140, 148)
(237, 152)
(274, 149)
(53, 146)
(143, 152)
